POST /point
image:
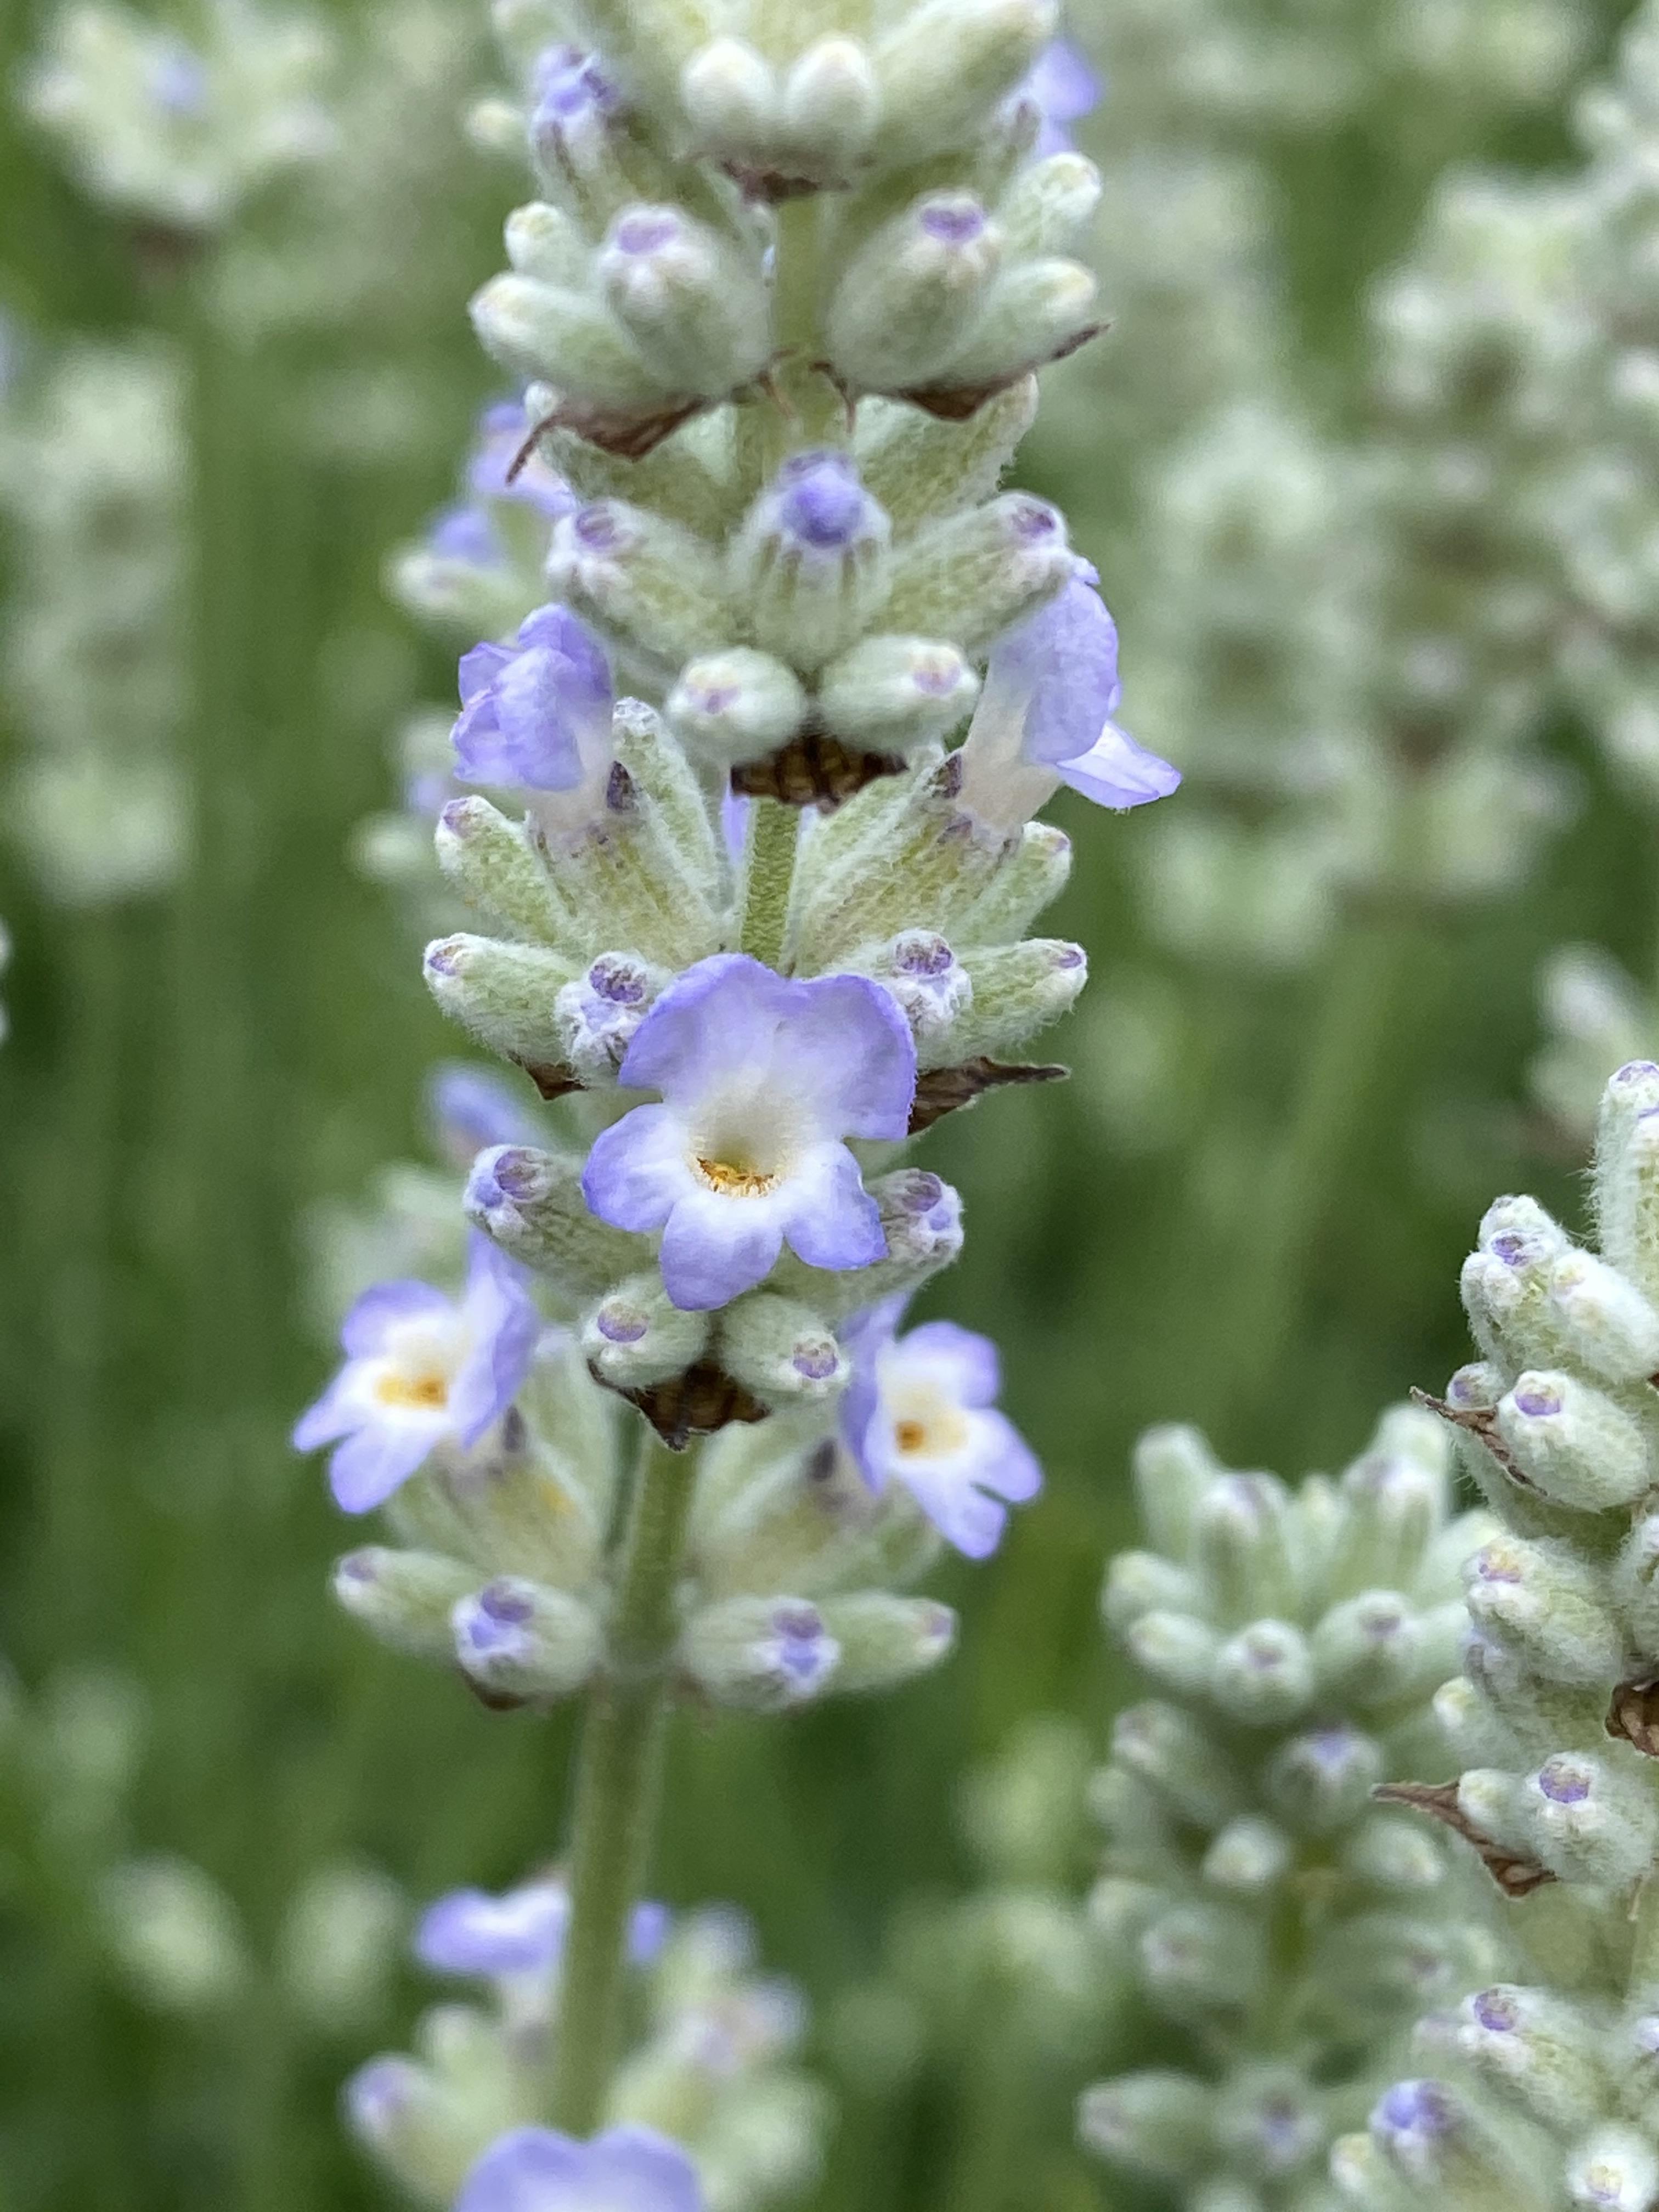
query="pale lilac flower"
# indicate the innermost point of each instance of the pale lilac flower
(535, 714)
(466, 534)
(1045, 717)
(624, 2170)
(921, 1411)
(421, 1370)
(1063, 89)
(519, 1934)
(498, 440)
(472, 1109)
(762, 1078)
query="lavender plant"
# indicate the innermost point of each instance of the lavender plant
(778, 313)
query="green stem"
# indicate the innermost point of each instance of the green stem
(768, 874)
(618, 1776)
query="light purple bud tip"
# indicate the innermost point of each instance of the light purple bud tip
(619, 1324)
(444, 958)
(357, 1567)
(1383, 1618)
(922, 1193)
(1036, 521)
(920, 953)
(955, 218)
(1496, 2011)
(822, 502)
(1645, 2034)
(816, 1360)
(1511, 1248)
(1069, 957)
(1334, 1748)
(1466, 1389)
(504, 1604)
(516, 1173)
(1414, 2108)
(1495, 1565)
(1562, 1783)
(616, 979)
(647, 231)
(1634, 1071)
(377, 2093)
(799, 1631)
(599, 529)
(1538, 1403)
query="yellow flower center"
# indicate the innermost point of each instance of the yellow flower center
(910, 1435)
(732, 1180)
(426, 1392)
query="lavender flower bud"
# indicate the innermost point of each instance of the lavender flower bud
(648, 582)
(695, 305)
(973, 575)
(929, 980)
(1197, 1960)
(1547, 1607)
(1320, 1782)
(1587, 1821)
(634, 1336)
(731, 99)
(1394, 1501)
(1173, 1754)
(943, 67)
(1616, 2170)
(736, 706)
(546, 333)
(782, 1351)
(1032, 314)
(1018, 989)
(1432, 2141)
(1241, 1545)
(896, 693)
(1139, 1582)
(1264, 1675)
(1049, 205)
(596, 1016)
(519, 1639)
(502, 994)
(1175, 1650)
(493, 866)
(762, 1654)
(1627, 1174)
(1160, 2125)
(885, 1641)
(1535, 2049)
(1572, 1443)
(531, 1204)
(810, 561)
(831, 105)
(404, 1598)
(910, 294)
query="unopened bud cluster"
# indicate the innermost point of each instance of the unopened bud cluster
(711, 2065)
(1274, 1911)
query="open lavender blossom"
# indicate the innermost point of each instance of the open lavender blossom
(421, 1370)
(624, 2170)
(920, 1410)
(762, 1079)
(535, 714)
(1045, 717)
(519, 1934)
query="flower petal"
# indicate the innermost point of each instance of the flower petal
(714, 1249)
(831, 1220)
(1117, 772)
(1006, 1465)
(380, 1458)
(363, 1332)
(721, 1015)
(967, 1362)
(334, 1415)
(637, 1170)
(644, 2171)
(845, 1043)
(528, 2170)
(1061, 663)
(480, 668)
(504, 1323)
(963, 1516)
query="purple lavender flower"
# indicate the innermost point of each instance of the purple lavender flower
(520, 1933)
(920, 1410)
(1063, 89)
(471, 1109)
(465, 533)
(498, 440)
(762, 1078)
(535, 714)
(624, 2170)
(1044, 716)
(421, 1371)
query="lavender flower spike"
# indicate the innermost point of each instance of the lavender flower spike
(1044, 716)
(520, 1933)
(762, 1078)
(920, 1411)
(421, 1371)
(535, 714)
(624, 2170)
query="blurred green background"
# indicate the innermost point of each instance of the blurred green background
(1270, 1250)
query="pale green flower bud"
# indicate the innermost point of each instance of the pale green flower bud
(1199, 1960)
(497, 868)
(652, 585)
(1048, 204)
(1320, 1782)
(1248, 1856)
(1376, 1648)
(1627, 1174)
(1634, 1583)
(759, 1654)
(893, 694)
(634, 1337)
(1160, 2124)
(1447, 2154)
(502, 994)
(1034, 313)
(1610, 1326)
(1400, 1857)
(513, 1502)
(646, 43)
(697, 307)
(1506, 1287)
(1394, 1502)
(1169, 1750)
(885, 1641)
(531, 1203)
(1242, 1547)
(1536, 2049)
(782, 1351)
(1573, 1443)
(520, 1640)
(1375, 1966)
(942, 66)
(1029, 879)
(1177, 1651)
(543, 242)
(337, 1946)
(1264, 1675)
(1017, 990)
(1173, 1469)
(910, 295)
(1476, 1732)
(1546, 1605)
(731, 99)
(1586, 1819)
(831, 106)
(810, 564)
(404, 1599)
(1139, 1583)
(1615, 2170)
(736, 706)
(176, 1934)
(973, 575)
(565, 338)
(1269, 2124)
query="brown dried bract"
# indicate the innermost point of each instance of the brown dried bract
(814, 769)
(694, 1404)
(554, 1080)
(631, 437)
(941, 1091)
(958, 403)
(1482, 1424)
(1514, 1876)
(1633, 1714)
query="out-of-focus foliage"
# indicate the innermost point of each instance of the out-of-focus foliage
(1300, 1074)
